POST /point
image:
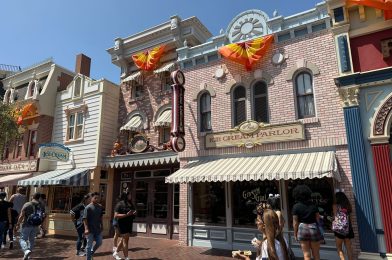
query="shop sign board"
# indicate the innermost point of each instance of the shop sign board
(250, 134)
(54, 152)
(23, 166)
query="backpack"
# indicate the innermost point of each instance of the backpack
(341, 223)
(36, 218)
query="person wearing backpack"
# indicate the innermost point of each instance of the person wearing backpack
(77, 218)
(341, 225)
(30, 217)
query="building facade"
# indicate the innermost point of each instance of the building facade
(363, 38)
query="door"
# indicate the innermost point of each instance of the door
(152, 204)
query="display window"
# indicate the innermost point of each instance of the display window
(65, 198)
(209, 203)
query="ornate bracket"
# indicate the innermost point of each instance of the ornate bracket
(349, 96)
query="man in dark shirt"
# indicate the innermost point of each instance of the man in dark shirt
(5, 216)
(77, 219)
(92, 219)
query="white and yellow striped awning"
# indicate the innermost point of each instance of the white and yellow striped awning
(133, 77)
(169, 67)
(272, 167)
(133, 124)
(164, 118)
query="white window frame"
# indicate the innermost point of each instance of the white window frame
(75, 112)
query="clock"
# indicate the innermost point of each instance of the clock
(178, 143)
(178, 77)
(247, 25)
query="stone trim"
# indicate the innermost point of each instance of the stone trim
(204, 87)
(381, 123)
(349, 97)
(302, 64)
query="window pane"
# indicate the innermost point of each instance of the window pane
(141, 198)
(206, 121)
(246, 196)
(239, 92)
(80, 119)
(160, 199)
(261, 109)
(308, 83)
(300, 84)
(176, 201)
(72, 120)
(165, 135)
(205, 103)
(70, 133)
(239, 112)
(79, 131)
(301, 107)
(310, 105)
(209, 202)
(260, 88)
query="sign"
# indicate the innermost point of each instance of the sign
(54, 152)
(178, 127)
(139, 144)
(24, 166)
(248, 135)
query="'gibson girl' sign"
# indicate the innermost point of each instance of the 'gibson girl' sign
(251, 133)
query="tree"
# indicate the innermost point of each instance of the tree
(8, 125)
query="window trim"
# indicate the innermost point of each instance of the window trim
(253, 98)
(296, 75)
(233, 103)
(75, 111)
(201, 130)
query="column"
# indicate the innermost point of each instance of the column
(383, 166)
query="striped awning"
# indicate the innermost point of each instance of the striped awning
(12, 179)
(133, 124)
(164, 118)
(141, 159)
(70, 177)
(133, 77)
(272, 167)
(169, 67)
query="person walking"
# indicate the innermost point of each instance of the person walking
(18, 199)
(124, 212)
(92, 220)
(77, 218)
(43, 204)
(305, 218)
(30, 217)
(5, 216)
(342, 225)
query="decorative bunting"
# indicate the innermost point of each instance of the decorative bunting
(385, 5)
(147, 60)
(247, 53)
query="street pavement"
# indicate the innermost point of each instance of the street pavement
(140, 248)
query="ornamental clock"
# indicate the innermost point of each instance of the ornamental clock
(247, 25)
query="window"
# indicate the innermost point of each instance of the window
(164, 135)
(284, 37)
(246, 196)
(300, 32)
(260, 102)
(77, 87)
(166, 81)
(209, 203)
(176, 201)
(30, 89)
(103, 187)
(18, 147)
(338, 14)
(205, 112)
(239, 105)
(137, 91)
(304, 91)
(32, 143)
(75, 126)
(65, 198)
(7, 96)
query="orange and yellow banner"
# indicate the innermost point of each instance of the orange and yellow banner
(247, 53)
(385, 5)
(148, 60)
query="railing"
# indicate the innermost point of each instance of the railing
(11, 68)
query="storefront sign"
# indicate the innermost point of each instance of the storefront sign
(139, 144)
(254, 194)
(250, 134)
(54, 152)
(24, 166)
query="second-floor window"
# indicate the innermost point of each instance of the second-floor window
(304, 91)
(205, 112)
(166, 81)
(164, 135)
(18, 147)
(260, 102)
(239, 105)
(32, 143)
(137, 91)
(75, 126)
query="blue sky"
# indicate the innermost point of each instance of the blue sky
(35, 30)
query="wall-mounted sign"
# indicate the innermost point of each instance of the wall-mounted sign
(177, 127)
(251, 133)
(54, 152)
(24, 166)
(139, 144)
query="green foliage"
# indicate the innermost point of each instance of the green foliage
(8, 125)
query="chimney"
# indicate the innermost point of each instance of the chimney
(83, 64)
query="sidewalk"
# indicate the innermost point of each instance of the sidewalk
(140, 248)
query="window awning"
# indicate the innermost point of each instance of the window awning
(70, 177)
(272, 167)
(133, 124)
(169, 67)
(164, 118)
(141, 159)
(12, 179)
(133, 77)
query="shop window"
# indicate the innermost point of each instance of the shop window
(260, 102)
(161, 173)
(239, 105)
(103, 187)
(205, 112)
(246, 196)
(322, 197)
(166, 81)
(141, 199)
(65, 198)
(305, 98)
(176, 201)
(160, 199)
(104, 175)
(32, 143)
(75, 126)
(209, 203)
(164, 135)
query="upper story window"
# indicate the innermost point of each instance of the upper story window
(137, 91)
(166, 81)
(338, 14)
(30, 89)
(18, 147)
(305, 97)
(239, 105)
(260, 102)
(77, 87)
(75, 125)
(32, 143)
(164, 135)
(205, 112)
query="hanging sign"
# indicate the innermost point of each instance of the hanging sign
(54, 152)
(177, 127)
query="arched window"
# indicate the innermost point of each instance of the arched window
(77, 87)
(205, 112)
(260, 102)
(239, 105)
(304, 92)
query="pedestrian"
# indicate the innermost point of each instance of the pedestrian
(124, 212)
(19, 199)
(273, 202)
(5, 216)
(10, 228)
(305, 218)
(77, 218)
(92, 219)
(43, 204)
(116, 231)
(30, 217)
(342, 225)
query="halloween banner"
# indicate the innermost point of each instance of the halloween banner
(148, 60)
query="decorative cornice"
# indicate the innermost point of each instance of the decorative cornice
(349, 96)
(365, 79)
